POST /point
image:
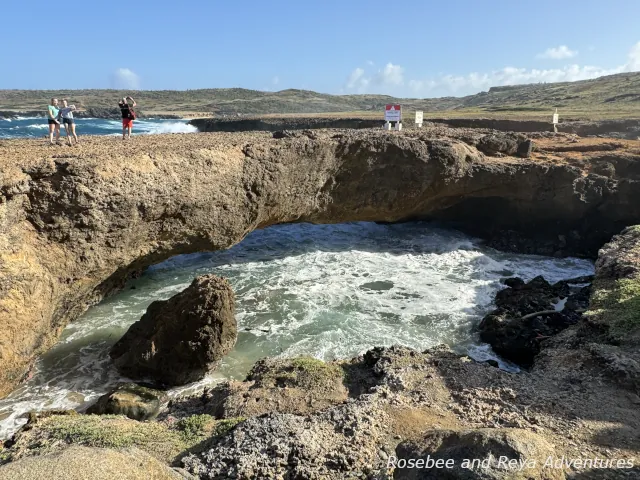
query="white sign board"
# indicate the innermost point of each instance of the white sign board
(555, 118)
(393, 113)
(418, 117)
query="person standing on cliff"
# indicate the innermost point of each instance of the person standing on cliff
(66, 112)
(128, 116)
(52, 120)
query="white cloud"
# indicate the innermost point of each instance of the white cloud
(357, 81)
(390, 75)
(558, 53)
(370, 63)
(634, 59)
(474, 82)
(123, 78)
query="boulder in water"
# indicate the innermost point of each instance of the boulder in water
(178, 341)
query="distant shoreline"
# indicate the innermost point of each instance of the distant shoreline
(90, 113)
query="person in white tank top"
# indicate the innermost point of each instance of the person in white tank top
(66, 112)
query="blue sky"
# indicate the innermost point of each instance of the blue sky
(415, 48)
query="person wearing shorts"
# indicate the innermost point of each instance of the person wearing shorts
(128, 116)
(66, 112)
(52, 120)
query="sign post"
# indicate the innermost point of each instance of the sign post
(419, 119)
(393, 113)
(555, 121)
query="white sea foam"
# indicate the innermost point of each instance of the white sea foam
(164, 127)
(330, 291)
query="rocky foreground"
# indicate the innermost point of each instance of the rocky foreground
(574, 414)
(76, 222)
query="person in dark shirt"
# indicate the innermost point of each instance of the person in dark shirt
(128, 116)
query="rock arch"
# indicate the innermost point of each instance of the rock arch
(74, 223)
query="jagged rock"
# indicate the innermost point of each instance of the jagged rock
(528, 450)
(605, 344)
(297, 385)
(505, 144)
(131, 400)
(177, 341)
(332, 445)
(525, 148)
(528, 313)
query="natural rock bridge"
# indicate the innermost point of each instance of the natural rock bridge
(76, 222)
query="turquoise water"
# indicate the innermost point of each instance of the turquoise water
(330, 291)
(34, 127)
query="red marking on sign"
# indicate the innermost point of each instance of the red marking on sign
(392, 107)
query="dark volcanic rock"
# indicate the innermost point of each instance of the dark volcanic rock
(179, 340)
(527, 314)
(529, 450)
(280, 125)
(510, 144)
(525, 148)
(495, 144)
(130, 400)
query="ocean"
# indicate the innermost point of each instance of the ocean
(328, 291)
(36, 127)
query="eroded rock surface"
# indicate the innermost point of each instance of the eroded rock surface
(180, 340)
(76, 223)
(491, 447)
(80, 463)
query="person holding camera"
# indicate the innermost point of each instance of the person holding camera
(128, 116)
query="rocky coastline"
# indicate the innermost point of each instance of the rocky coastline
(573, 415)
(77, 223)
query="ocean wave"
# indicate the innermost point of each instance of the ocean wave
(166, 127)
(327, 291)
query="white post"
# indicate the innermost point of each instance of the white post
(555, 121)
(419, 116)
(398, 126)
(387, 126)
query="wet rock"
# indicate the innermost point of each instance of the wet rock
(529, 313)
(130, 400)
(179, 340)
(529, 451)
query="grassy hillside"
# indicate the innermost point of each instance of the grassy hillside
(615, 96)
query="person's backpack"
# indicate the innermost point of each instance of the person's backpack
(132, 114)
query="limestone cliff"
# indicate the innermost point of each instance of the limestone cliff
(75, 222)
